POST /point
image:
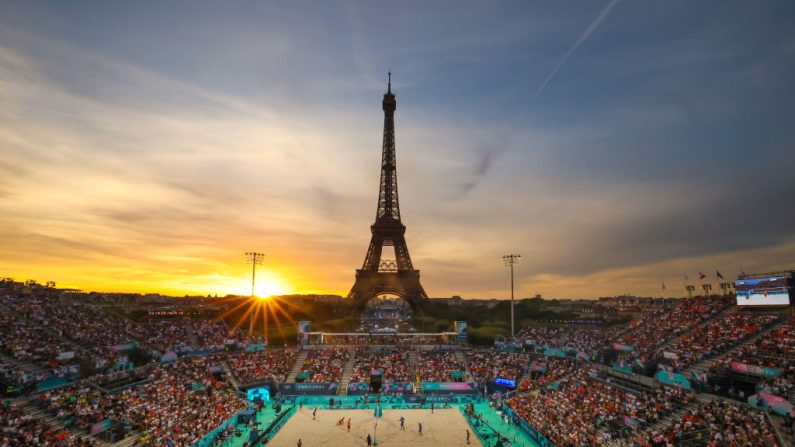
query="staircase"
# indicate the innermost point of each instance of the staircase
(525, 376)
(670, 341)
(54, 423)
(40, 415)
(462, 359)
(29, 367)
(672, 418)
(347, 371)
(662, 424)
(129, 441)
(192, 337)
(413, 365)
(231, 375)
(704, 365)
(784, 435)
(299, 364)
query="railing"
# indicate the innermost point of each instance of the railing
(693, 438)
(772, 423)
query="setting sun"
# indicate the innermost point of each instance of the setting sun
(269, 284)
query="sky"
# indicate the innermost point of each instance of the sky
(615, 145)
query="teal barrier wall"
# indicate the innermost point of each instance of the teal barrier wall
(755, 370)
(527, 428)
(449, 387)
(207, 440)
(51, 383)
(554, 352)
(672, 378)
(622, 366)
(624, 348)
(768, 401)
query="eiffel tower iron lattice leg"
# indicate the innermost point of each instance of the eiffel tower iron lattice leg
(388, 276)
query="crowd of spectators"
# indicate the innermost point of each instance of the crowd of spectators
(42, 326)
(437, 366)
(215, 335)
(255, 366)
(404, 340)
(567, 337)
(715, 337)
(92, 327)
(411, 340)
(489, 364)
(344, 339)
(655, 327)
(19, 376)
(775, 350)
(168, 334)
(325, 365)
(20, 429)
(29, 353)
(27, 342)
(546, 371)
(182, 402)
(716, 424)
(578, 410)
(394, 366)
(177, 403)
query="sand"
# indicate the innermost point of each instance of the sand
(445, 427)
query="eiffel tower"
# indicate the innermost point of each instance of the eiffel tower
(388, 276)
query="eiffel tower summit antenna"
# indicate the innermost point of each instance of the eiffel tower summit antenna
(388, 276)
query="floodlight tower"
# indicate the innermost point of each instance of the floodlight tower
(510, 261)
(254, 258)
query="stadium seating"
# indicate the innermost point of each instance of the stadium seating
(579, 410)
(325, 365)
(568, 400)
(394, 366)
(575, 338)
(489, 364)
(713, 338)
(437, 366)
(260, 365)
(718, 423)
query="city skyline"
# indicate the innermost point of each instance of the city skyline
(616, 146)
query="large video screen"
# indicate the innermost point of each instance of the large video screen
(773, 291)
(263, 394)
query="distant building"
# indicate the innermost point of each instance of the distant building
(632, 305)
(454, 300)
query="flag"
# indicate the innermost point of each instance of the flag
(701, 275)
(663, 286)
(718, 273)
(686, 278)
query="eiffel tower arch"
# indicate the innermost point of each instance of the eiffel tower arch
(380, 275)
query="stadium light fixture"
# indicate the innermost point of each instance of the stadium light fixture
(510, 261)
(254, 258)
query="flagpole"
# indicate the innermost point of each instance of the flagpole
(700, 285)
(684, 282)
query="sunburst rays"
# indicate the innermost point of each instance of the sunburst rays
(257, 313)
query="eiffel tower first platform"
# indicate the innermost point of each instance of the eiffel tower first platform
(380, 276)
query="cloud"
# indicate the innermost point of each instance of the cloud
(133, 166)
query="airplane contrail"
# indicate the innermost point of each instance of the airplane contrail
(491, 154)
(577, 44)
(583, 37)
